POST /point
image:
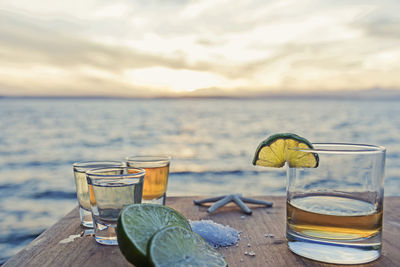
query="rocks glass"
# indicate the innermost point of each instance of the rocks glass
(334, 211)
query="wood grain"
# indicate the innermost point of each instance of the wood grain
(46, 250)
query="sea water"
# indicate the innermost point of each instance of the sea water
(211, 141)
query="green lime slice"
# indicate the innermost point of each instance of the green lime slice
(177, 246)
(137, 223)
(274, 152)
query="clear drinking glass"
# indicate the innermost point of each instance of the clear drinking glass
(334, 211)
(110, 190)
(82, 194)
(156, 181)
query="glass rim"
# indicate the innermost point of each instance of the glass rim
(342, 148)
(93, 173)
(83, 166)
(149, 158)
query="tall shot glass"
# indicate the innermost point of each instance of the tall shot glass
(82, 193)
(334, 211)
(110, 190)
(156, 182)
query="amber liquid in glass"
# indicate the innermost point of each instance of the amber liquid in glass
(155, 182)
(333, 217)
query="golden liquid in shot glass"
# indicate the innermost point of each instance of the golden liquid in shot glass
(155, 182)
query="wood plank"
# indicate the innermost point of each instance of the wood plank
(46, 250)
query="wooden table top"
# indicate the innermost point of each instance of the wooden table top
(49, 249)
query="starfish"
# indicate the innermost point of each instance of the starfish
(235, 198)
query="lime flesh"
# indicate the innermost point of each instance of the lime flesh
(137, 223)
(274, 152)
(178, 246)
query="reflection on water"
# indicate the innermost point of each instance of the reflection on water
(211, 142)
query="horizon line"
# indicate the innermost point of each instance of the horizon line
(221, 97)
(367, 93)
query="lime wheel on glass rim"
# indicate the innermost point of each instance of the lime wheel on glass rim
(285, 147)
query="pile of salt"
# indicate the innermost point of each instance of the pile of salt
(216, 234)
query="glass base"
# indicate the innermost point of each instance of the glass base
(86, 218)
(105, 234)
(335, 251)
(106, 241)
(160, 200)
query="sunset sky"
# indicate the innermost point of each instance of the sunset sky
(165, 47)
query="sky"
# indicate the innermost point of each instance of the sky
(197, 47)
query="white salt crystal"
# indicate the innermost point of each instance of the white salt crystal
(216, 234)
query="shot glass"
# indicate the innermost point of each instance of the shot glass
(156, 181)
(82, 194)
(334, 211)
(110, 190)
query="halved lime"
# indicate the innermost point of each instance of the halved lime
(274, 152)
(178, 246)
(137, 223)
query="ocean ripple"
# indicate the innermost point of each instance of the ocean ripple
(211, 142)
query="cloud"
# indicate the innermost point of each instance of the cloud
(97, 46)
(35, 43)
(382, 23)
